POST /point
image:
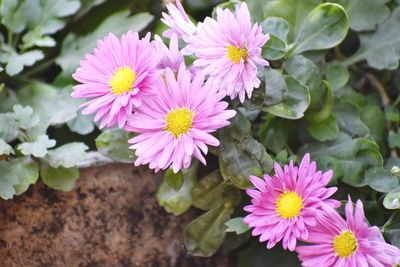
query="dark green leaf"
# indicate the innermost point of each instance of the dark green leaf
(325, 130)
(60, 178)
(381, 180)
(337, 75)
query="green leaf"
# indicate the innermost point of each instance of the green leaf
(353, 155)
(60, 178)
(113, 143)
(173, 180)
(293, 11)
(381, 179)
(365, 15)
(325, 130)
(15, 63)
(349, 121)
(240, 155)
(16, 15)
(27, 172)
(392, 199)
(325, 27)
(394, 140)
(275, 87)
(274, 134)
(81, 124)
(337, 75)
(204, 235)
(178, 201)
(5, 149)
(380, 48)
(24, 117)
(36, 38)
(211, 191)
(74, 47)
(237, 225)
(38, 148)
(67, 156)
(307, 74)
(374, 118)
(295, 101)
(278, 29)
(8, 179)
(8, 127)
(392, 229)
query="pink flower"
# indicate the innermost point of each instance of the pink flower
(285, 205)
(229, 50)
(178, 21)
(170, 57)
(349, 243)
(176, 123)
(116, 76)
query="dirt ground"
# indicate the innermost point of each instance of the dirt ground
(111, 218)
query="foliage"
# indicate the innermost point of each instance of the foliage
(332, 90)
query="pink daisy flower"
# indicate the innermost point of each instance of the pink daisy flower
(284, 205)
(229, 50)
(176, 123)
(170, 57)
(178, 21)
(116, 76)
(347, 243)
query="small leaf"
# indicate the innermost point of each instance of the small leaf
(394, 140)
(38, 148)
(60, 178)
(113, 143)
(381, 179)
(237, 225)
(211, 191)
(24, 117)
(173, 180)
(178, 201)
(278, 29)
(27, 172)
(16, 15)
(294, 103)
(325, 27)
(36, 38)
(325, 130)
(8, 179)
(337, 75)
(67, 156)
(17, 62)
(204, 235)
(8, 127)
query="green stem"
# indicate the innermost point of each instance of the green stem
(10, 37)
(39, 67)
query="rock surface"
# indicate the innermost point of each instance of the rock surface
(111, 218)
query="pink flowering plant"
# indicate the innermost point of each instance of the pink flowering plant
(278, 120)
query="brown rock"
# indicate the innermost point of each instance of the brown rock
(111, 218)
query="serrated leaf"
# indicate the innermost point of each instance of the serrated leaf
(8, 127)
(211, 191)
(27, 172)
(38, 148)
(67, 156)
(5, 149)
(240, 155)
(15, 63)
(60, 178)
(16, 15)
(35, 37)
(178, 201)
(237, 225)
(205, 234)
(113, 143)
(24, 117)
(74, 47)
(8, 179)
(325, 27)
(364, 15)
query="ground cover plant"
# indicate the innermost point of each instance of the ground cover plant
(278, 119)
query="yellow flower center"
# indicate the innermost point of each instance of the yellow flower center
(235, 54)
(179, 121)
(289, 205)
(122, 80)
(345, 244)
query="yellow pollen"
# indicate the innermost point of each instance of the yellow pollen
(289, 205)
(179, 121)
(122, 80)
(345, 244)
(235, 54)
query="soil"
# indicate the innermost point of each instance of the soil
(111, 218)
